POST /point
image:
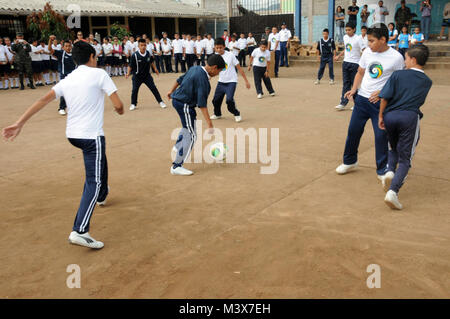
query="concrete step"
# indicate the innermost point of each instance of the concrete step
(430, 65)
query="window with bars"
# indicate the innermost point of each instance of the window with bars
(10, 25)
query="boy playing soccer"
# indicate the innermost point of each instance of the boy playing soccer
(228, 79)
(402, 96)
(140, 63)
(260, 59)
(327, 51)
(377, 64)
(189, 91)
(84, 90)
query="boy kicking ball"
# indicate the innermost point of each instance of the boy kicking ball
(84, 91)
(191, 90)
(140, 63)
(260, 60)
(401, 98)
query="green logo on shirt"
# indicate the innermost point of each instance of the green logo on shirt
(348, 47)
(262, 59)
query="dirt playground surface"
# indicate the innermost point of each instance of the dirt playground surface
(227, 231)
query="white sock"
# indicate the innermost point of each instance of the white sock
(54, 77)
(27, 81)
(124, 70)
(116, 70)
(1, 84)
(17, 82)
(7, 83)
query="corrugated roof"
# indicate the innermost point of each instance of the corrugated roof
(156, 8)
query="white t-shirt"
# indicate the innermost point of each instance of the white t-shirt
(273, 38)
(150, 48)
(177, 46)
(35, 56)
(199, 46)
(377, 16)
(98, 49)
(260, 58)
(209, 46)
(353, 47)
(229, 74)
(365, 41)
(46, 55)
(285, 35)
(107, 49)
(8, 52)
(189, 46)
(251, 41)
(242, 43)
(3, 53)
(379, 68)
(166, 48)
(233, 47)
(157, 47)
(56, 47)
(84, 91)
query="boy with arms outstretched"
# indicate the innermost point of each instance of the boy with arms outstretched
(84, 91)
(189, 91)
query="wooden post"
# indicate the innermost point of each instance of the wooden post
(177, 25)
(272, 64)
(153, 27)
(108, 25)
(90, 24)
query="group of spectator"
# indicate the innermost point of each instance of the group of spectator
(403, 17)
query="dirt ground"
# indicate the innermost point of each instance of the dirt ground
(227, 231)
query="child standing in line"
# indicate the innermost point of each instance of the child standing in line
(401, 98)
(242, 45)
(364, 37)
(200, 50)
(417, 37)
(226, 86)
(403, 41)
(327, 51)
(260, 59)
(393, 35)
(84, 90)
(140, 64)
(189, 51)
(189, 91)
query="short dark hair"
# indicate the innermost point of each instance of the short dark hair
(392, 24)
(350, 25)
(326, 30)
(420, 53)
(217, 60)
(67, 41)
(263, 42)
(81, 52)
(379, 31)
(363, 27)
(142, 41)
(219, 41)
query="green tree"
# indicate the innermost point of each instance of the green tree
(119, 31)
(43, 24)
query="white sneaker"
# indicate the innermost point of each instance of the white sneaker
(386, 180)
(62, 112)
(392, 201)
(180, 171)
(84, 240)
(215, 117)
(331, 82)
(238, 118)
(163, 105)
(317, 82)
(340, 107)
(133, 107)
(344, 169)
(272, 94)
(259, 96)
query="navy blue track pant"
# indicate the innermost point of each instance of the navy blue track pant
(96, 185)
(147, 80)
(403, 133)
(363, 111)
(62, 101)
(277, 61)
(178, 57)
(284, 54)
(349, 71)
(324, 60)
(187, 137)
(223, 89)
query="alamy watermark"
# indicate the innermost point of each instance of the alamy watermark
(251, 146)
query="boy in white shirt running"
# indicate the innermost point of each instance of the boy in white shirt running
(84, 90)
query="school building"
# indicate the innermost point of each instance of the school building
(141, 16)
